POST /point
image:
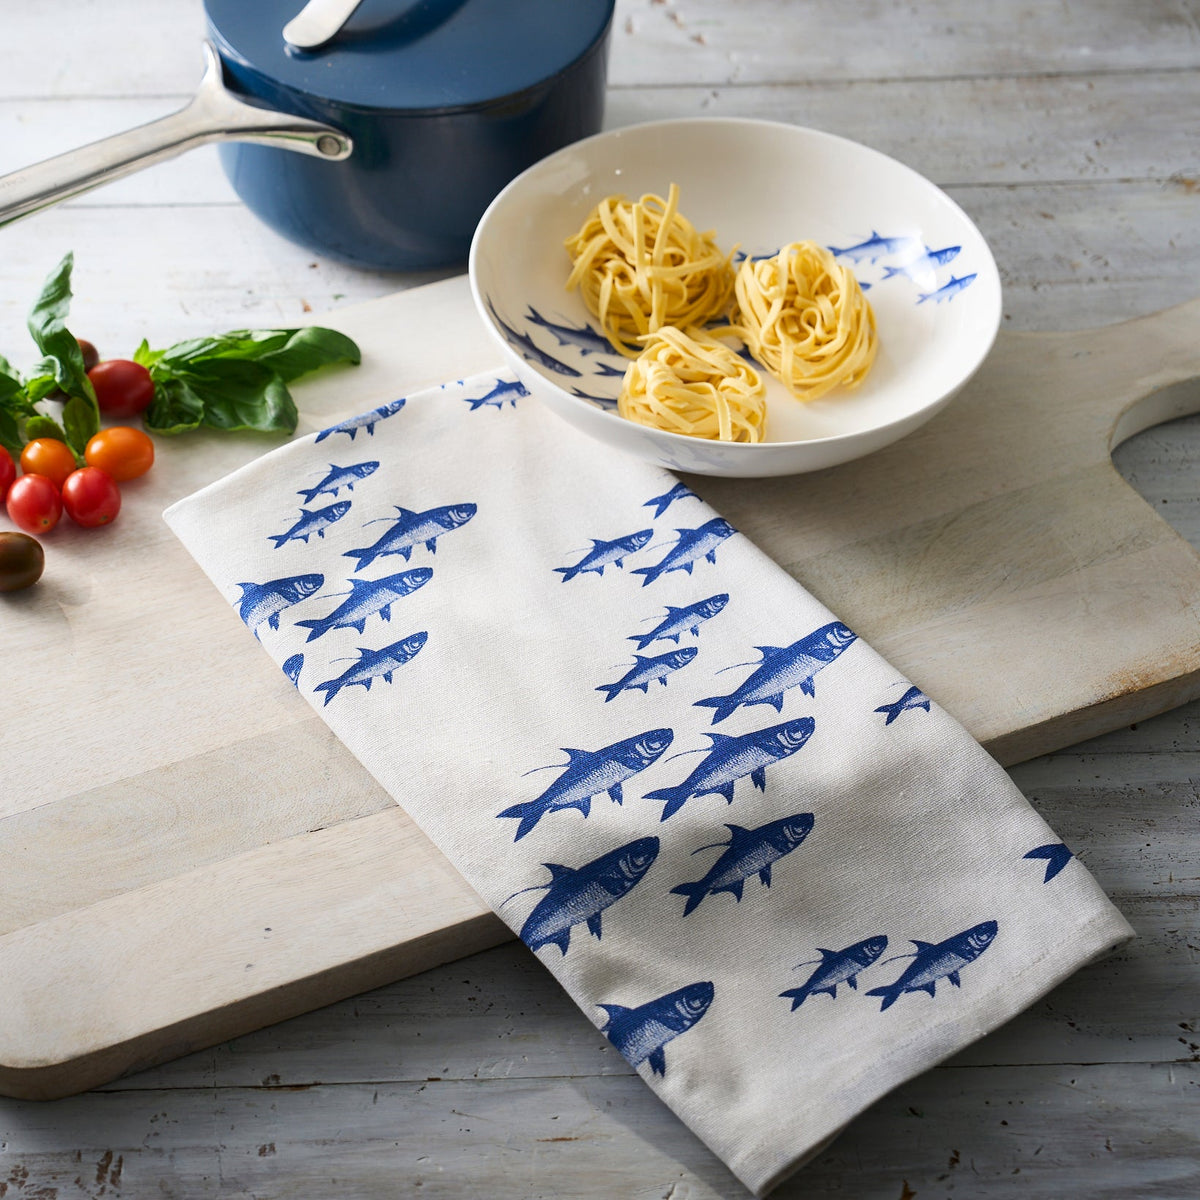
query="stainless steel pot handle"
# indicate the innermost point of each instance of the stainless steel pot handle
(213, 115)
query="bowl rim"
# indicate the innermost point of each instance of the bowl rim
(927, 410)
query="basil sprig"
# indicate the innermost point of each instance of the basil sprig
(234, 381)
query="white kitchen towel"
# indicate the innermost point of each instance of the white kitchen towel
(778, 876)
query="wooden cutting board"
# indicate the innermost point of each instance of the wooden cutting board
(188, 854)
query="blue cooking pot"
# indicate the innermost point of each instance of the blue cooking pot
(408, 122)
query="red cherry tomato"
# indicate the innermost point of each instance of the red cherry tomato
(91, 356)
(123, 388)
(8, 472)
(91, 497)
(49, 457)
(34, 504)
(123, 452)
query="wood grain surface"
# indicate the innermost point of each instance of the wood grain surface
(1066, 132)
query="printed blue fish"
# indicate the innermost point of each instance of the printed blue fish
(606, 401)
(733, 758)
(693, 544)
(784, 667)
(938, 960)
(683, 620)
(374, 664)
(365, 598)
(603, 368)
(312, 520)
(748, 852)
(922, 267)
(913, 698)
(590, 772)
(948, 290)
(506, 391)
(602, 554)
(873, 248)
(261, 602)
(367, 421)
(837, 966)
(584, 338)
(581, 894)
(337, 478)
(641, 1033)
(410, 529)
(660, 504)
(645, 670)
(292, 668)
(529, 349)
(1056, 855)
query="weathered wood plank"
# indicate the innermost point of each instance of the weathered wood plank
(1028, 1133)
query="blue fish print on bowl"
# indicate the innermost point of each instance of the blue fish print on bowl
(733, 758)
(579, 895)
(367, 421)
(748, 852)
(588, 773)
(938, 960)
(641, 1033)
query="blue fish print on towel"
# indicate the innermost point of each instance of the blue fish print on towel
(938, 960)
(367, 421)
(506, 391)
(374, 664)
(913, 698)
(261, 602)
(874, 247)
(602, 554)
(923, 266)
(312, 520)
(641, 1033)
(683, 620)
(660, 504)
(292, 668)
(645, 670)
(588, 773)
(784, 667)
(576, 895)
(337, 478)
(733, 758)
(365, 598)
(410, 529)
(584, 338)
(748, 852)
(529, 349)
(836, 966)
(693, 544)
(948, 290)
(1056, 855)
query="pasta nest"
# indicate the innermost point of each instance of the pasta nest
(805, 318)
(641, 266)
(687, 382)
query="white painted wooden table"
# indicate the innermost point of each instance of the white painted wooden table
(1069, 133)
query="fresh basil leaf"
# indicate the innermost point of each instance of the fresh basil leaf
(48, 328)
(309, 348)
(176, 408)
(39, 426)
(146, 357)
(81, 422)
(240, 395)
(10, 433)
(10, 381)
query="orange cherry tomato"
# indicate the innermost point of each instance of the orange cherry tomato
(48, 457)
(123, 452)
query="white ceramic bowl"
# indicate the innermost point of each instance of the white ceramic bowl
(758, 184)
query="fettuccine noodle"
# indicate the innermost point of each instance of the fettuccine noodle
(687, 382)
(641, 266)
(805, 318)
